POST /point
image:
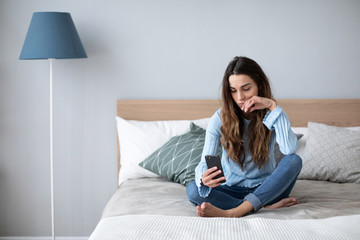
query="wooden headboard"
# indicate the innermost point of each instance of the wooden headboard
(337, 112)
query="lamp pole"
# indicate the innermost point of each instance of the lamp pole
(51, 60)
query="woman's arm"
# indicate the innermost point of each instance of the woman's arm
(203, 175)
(278, 120)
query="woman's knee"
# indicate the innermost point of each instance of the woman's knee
(192, 191)
(293, 160)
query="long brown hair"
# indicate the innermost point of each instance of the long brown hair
(232, 117)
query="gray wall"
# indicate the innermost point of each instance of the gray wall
(145, 50)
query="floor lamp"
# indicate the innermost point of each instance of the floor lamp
(52, 35)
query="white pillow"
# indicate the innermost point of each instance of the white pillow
(139, 139)
(302, 141)
(332, 154)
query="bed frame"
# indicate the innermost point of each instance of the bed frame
(337, 112)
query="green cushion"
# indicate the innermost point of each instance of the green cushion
(178, 158)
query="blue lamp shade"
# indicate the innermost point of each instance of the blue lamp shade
(52, 35)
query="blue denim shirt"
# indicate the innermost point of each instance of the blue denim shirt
(252, 176)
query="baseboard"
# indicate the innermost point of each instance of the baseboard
(43, 238)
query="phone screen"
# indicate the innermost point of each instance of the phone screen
(212, 161)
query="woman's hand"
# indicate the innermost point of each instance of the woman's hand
(208, 177)
(258, 103)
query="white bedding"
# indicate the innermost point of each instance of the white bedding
(155, 208)
(149, 207)
(176, 227)
(158, 196)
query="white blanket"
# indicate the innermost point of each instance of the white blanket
(180, 227)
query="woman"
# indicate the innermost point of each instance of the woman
(247, 126)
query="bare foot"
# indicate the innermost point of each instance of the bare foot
(285, 202)
(208, 210)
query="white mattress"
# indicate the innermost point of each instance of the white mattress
(177, 227)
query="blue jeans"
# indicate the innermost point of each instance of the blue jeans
(276, 187)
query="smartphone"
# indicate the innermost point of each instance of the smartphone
(215, 161)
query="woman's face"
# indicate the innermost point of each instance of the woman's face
(242, 88)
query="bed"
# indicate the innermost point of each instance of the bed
(159, 146)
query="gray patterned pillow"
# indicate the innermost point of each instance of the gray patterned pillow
(331, 153)
(178, 158)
